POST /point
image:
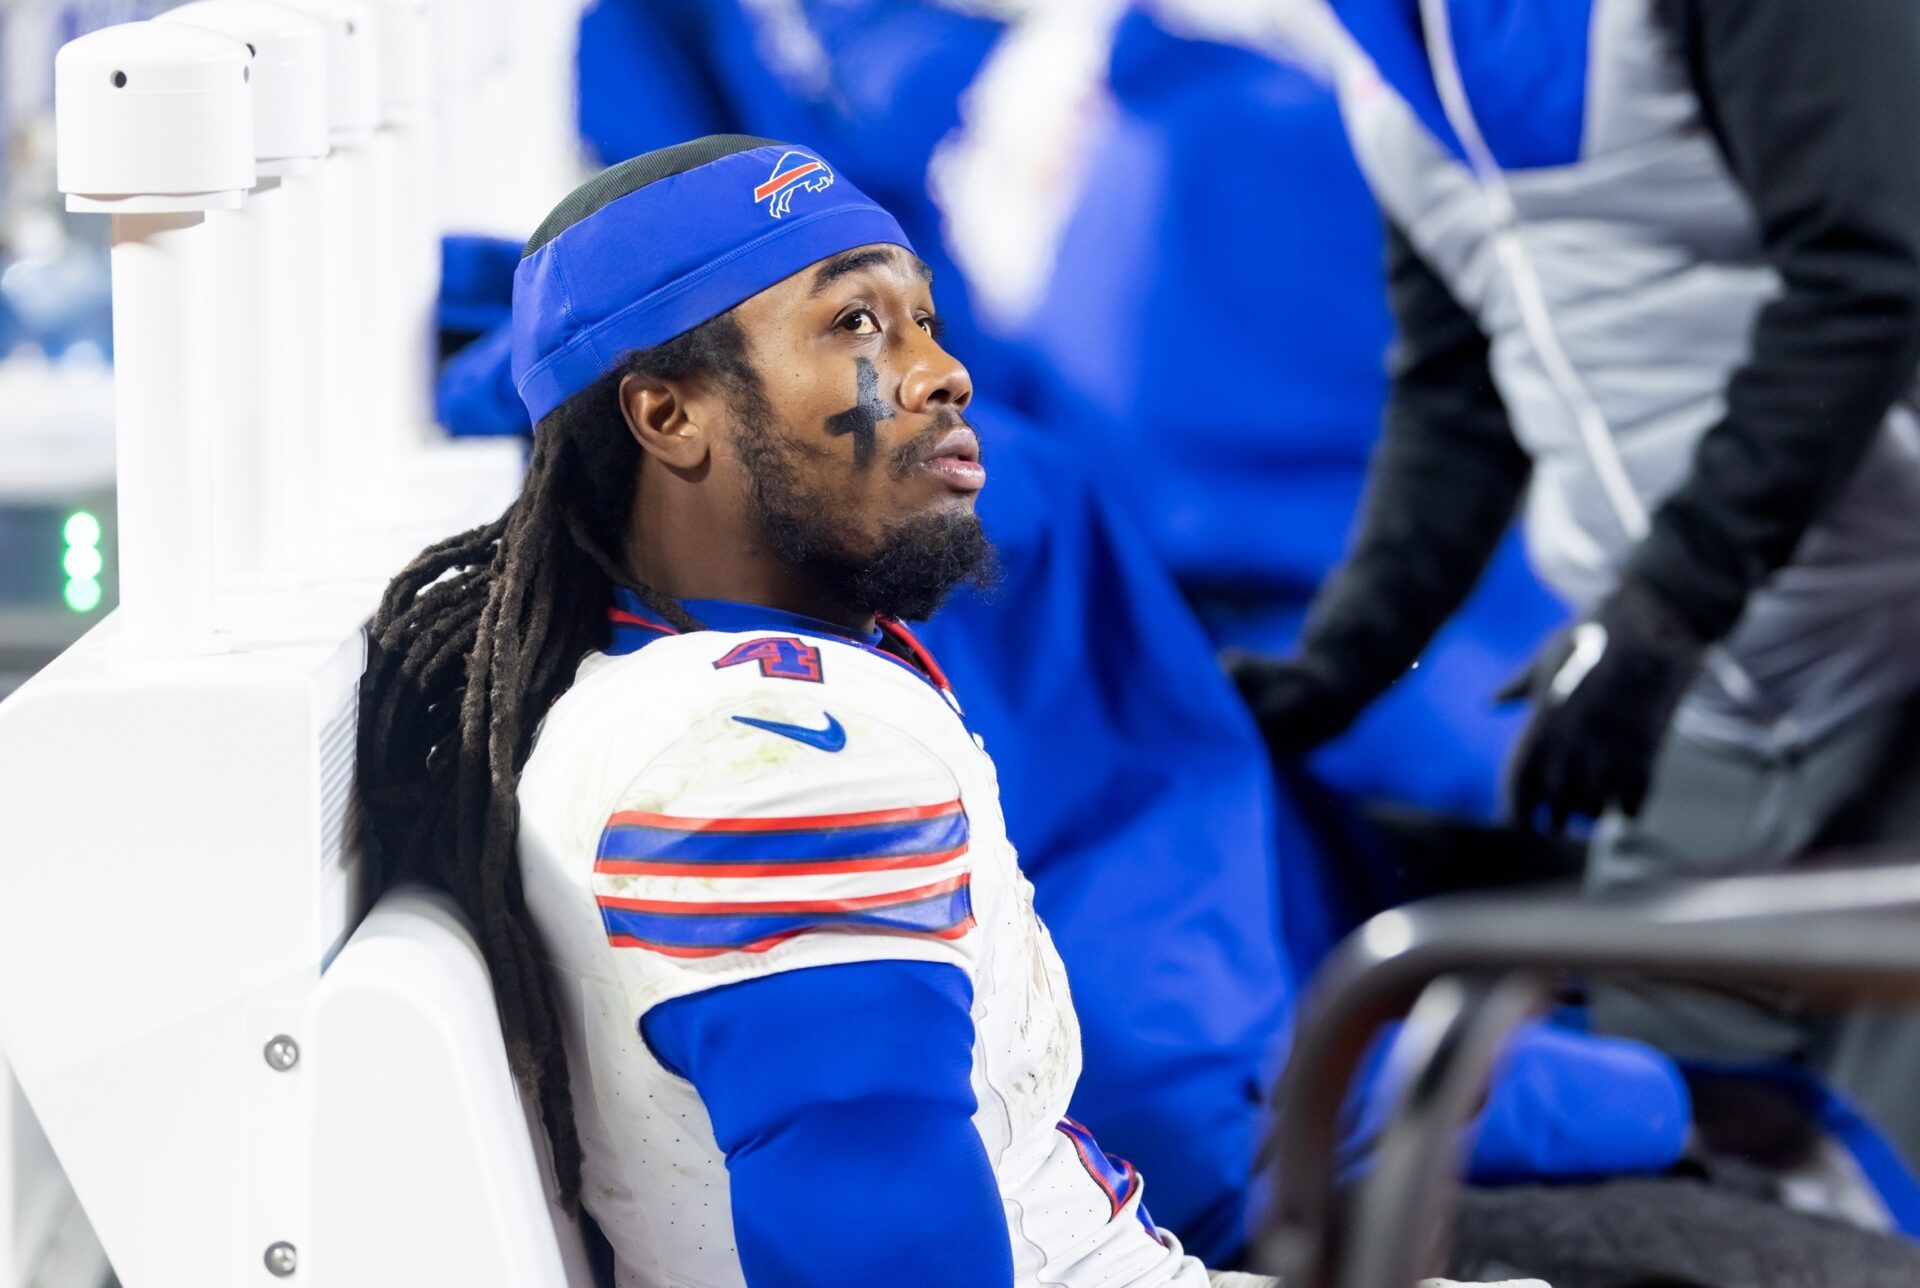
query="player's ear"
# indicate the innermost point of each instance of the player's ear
(668, 424)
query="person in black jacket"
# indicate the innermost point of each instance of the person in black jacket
(1556, 347)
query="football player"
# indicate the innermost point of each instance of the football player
(762, 947)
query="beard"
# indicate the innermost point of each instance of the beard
(916, 564)
(919, 562)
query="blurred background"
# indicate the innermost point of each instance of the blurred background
(56, 436)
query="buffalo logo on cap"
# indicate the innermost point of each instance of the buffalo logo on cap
(793, 172)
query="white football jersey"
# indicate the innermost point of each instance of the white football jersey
(718, 806)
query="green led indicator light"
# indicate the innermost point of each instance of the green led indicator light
(81, 529)
(82, 561)
(83, 594)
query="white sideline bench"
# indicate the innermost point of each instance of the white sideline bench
(174, 883)
(418, 1124)
(248, 1077)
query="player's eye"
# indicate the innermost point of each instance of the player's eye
(860, 322)
(933, 324)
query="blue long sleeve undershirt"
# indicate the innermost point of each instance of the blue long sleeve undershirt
(843, 1099)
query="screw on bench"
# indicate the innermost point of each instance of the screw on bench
(282, 1260)
(282, 1053)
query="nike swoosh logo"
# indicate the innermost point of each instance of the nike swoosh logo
(831, 738)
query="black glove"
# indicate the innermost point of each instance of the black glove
(1603, 694)
(1296, 704)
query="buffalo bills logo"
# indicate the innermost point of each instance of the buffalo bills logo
(793, 172)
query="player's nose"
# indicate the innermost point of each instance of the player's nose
(934, 378)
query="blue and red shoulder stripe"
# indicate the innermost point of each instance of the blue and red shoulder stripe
(636, 843)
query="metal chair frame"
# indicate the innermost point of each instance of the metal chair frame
(1470, 971)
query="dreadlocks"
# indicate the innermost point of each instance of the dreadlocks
(472, 643)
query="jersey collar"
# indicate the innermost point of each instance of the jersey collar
(635, 625)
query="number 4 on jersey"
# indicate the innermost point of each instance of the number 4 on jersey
(783, 658)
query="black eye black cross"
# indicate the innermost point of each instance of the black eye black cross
(869, 409)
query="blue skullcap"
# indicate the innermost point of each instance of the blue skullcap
(655, 246)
